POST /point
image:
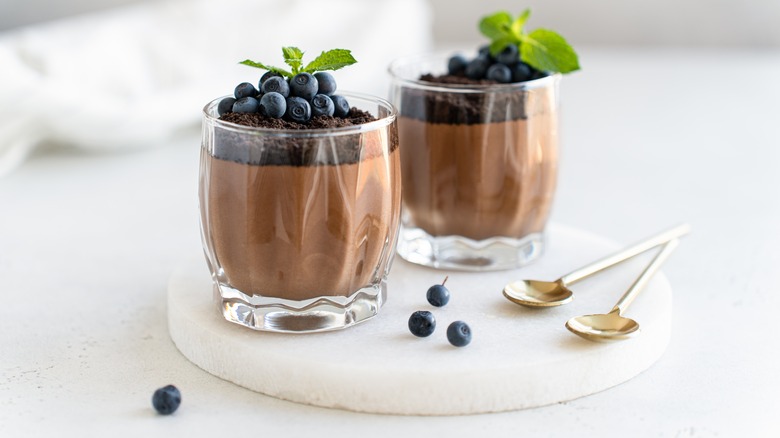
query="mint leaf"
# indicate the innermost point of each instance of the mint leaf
(330, 60)
(519, 23)
(498, 45)
(281, 71)
(496, 26)
(545, 50)
(293, 57)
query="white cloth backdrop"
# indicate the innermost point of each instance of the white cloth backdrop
(133, 76)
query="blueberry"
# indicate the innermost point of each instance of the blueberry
(484, 53)
(321, 105)
(166, 400)
(459, 334)
(341, 106)
(477, 68)
(499, 73)
(438, 295)
(225, 105)
(326, 83)
(539, 74)
(245, 105)
(298, 109)
(304, 85)
(273, 105)
(266, 75)
(276, 84)
(521, 72)
(245, 89)
(422, 323)
(509, 56)
(457, 65)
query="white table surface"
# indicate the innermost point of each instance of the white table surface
(651, 137)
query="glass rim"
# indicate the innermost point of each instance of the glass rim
(462, 88)
(209, 111)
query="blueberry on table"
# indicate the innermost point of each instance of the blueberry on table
(322, 105)
(477, 68)
(341, 106)
(326, 83)
(246, 105)
(298, 109)
(438, 295)
(304, 85)
(457, 65)
(459, 334)
(276, 84)
(521, 72)
(225, 105)
(509, 55)
(499, 73)
(245, 89)
(273, 105)
(166, 400)
(422, 323)
(264, 77)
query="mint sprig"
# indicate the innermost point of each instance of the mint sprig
(542, 49)
(328, 60)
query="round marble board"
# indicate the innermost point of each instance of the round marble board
(518, 358)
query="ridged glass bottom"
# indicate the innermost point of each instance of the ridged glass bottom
(314, 315)
(462, 253)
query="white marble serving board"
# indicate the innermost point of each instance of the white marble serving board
(519, 358)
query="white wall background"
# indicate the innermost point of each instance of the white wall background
(625, 22)
(608, 22)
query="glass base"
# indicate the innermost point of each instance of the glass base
(461, 253)
(308, 316)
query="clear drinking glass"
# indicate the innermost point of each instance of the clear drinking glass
(299, 226)
(479, 165)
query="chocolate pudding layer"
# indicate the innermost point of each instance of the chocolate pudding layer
(299, 218)
(479, 164)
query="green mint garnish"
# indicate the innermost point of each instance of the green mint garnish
(329, 60)
(542, 49)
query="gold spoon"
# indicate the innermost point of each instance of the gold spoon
(613, 326)
(537, 293)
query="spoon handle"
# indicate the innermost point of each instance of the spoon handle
(606, 262)
(645, 276)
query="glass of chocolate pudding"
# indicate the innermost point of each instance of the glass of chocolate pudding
(479, 164)
(299, 226)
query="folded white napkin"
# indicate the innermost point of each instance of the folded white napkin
(133, 76)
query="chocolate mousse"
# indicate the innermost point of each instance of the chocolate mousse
(299, 218)
(478, 164)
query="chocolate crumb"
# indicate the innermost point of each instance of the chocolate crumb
(256, 120)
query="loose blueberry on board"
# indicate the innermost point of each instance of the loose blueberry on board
(509, 55)
(245, 89)
(499, 73)
(266, 75)
(477, 68)
(322, 105)
(326, 83)
(276, 84)
(273, 104)
(521, 72)
(166, 400)
(304, 85)
(341, 106)
(438, 295)
(457, 64)
(225, 105)
(298, 109)
(246, 105)
(422, 323)
(459, 334)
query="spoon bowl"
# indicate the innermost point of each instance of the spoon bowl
(603, 327)
(537, 293)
